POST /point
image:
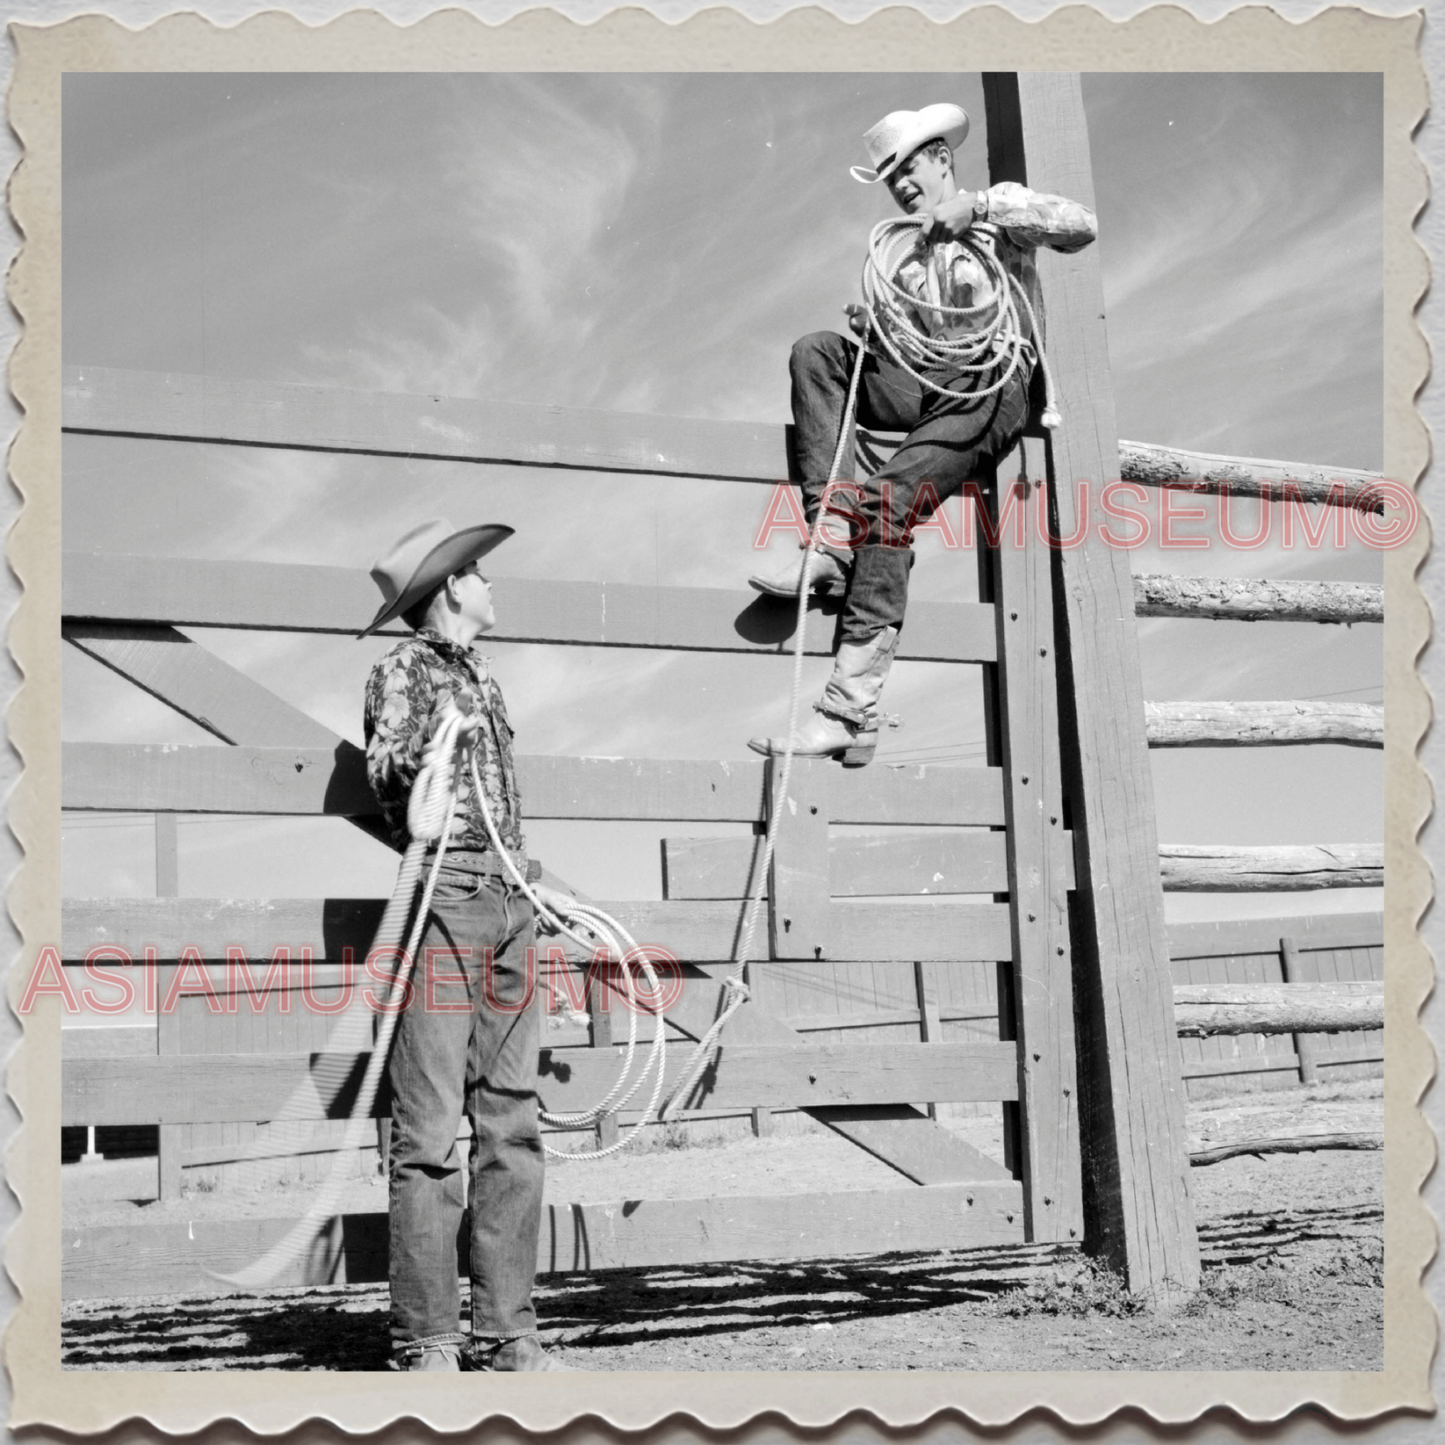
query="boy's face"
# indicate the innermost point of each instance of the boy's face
(923, 181)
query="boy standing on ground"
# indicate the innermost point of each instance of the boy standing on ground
(469, 1038)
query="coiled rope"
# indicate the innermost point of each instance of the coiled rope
(992, 342)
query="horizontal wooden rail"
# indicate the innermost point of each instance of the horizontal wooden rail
(178, 407)
(1263, 724)
(859, 865)
(692, 932)
(1282, 1063)
(185, 592)
(1311, 932)
(189, 1257)
(143, 777)
(1243, 599)
(1156, 466)
(1186, 868)
(217, 1088)
(1202, 1010)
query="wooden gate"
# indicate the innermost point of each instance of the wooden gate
(1064, 935)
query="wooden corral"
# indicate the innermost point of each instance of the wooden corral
(1021, 961)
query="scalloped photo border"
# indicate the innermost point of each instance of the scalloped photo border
(1078, 38)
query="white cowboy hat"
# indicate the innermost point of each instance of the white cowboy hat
(901, 132)
(423, 559)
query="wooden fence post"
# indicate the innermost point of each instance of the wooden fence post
(171, 1138)
(1137, 1209)
(1306, 1047)
(1045, 1121)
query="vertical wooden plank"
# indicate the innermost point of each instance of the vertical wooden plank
(798, 905)
(1306, 1046)
(1137, 1208)
(930, 1026)
(763, 981)
(1008, 1031)
(172, 1136)
(1042, 984)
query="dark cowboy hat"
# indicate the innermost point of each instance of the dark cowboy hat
(423, 559)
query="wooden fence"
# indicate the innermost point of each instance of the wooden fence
(1046, 910)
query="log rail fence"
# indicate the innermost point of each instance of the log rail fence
(998, 940)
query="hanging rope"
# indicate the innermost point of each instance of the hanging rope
(992, 341)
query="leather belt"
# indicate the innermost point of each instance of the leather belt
(488, 864)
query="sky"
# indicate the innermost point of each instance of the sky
(654, 243)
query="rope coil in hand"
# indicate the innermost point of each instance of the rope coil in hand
(992, 341)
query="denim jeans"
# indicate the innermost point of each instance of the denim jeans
(468, 1040)
(949, 443)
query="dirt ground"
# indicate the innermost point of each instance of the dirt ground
(1293, 1250)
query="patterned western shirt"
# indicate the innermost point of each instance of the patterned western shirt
(1019, 221)
(404, 698)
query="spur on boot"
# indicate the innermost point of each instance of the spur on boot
(825, 736)
(828, 577)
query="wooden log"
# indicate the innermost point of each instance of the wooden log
(1243, 599)
(1298, 1144)
(1202, 1010)
(691, 931)
(290, 597)
(189, 1257)
(1156, 466)
(208, 1088)
(1263, 724)
(1137, 1208)
(1185, 868)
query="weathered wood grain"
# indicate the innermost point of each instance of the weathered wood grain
(1156, 466)
(1297, 1144)
(1039, 871)
(204, 1088)
(800, 921)
(1202, 1010)
(1263, 724)
(291, 597)
(691, 931)
(189, 1258)
(1137, 1208)
(1196, 869)
(1244, 599)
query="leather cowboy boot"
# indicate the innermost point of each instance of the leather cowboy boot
(829, 576)
(844, 723)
